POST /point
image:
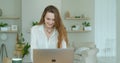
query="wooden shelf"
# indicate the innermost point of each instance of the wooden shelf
(8, 31)
(73, 18)
(77, 31)
(11, 18)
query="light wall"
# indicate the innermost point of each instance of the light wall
(77, 8)
(10, 8)
(118, 31)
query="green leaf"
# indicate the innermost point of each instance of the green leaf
(86, 24)
(34, 23)
(26, 50)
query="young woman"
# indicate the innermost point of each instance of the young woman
(50, 32)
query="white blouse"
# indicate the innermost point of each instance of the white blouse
(39, 39)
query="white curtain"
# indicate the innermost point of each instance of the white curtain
(105, 27)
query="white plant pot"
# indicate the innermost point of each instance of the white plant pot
(74, 29)
(4, 28)
(88, 28)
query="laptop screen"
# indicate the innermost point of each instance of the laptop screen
(53, 55)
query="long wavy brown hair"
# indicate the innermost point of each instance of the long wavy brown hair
(62, 34)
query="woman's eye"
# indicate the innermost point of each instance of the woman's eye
(51, 19)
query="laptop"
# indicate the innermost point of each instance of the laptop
(53, 55)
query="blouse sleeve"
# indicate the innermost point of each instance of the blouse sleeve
(33, 42)
(64, 45)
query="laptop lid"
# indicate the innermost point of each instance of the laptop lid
(53, 55)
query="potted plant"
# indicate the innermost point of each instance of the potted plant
(76, 27)
(3, 26)
(86, 26)
(22, 47)
(20, 42)
(73, 27)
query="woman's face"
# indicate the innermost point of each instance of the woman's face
(49, 20)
